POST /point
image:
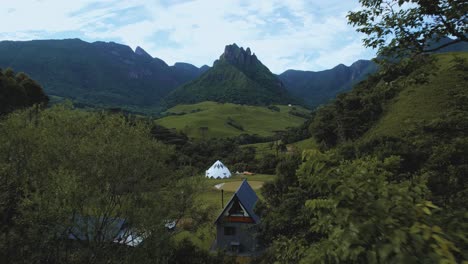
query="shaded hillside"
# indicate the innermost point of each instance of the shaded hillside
(19, 91)
(99, 73)
(212, 119)
(444, 89)
(389, 102)
(237, 77)
(388, 175)
(317, 88)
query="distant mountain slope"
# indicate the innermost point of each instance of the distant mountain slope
(444, 89)
(237, 77)
(457, 47)
(211, 119)
(99, 73)
(391, 102)
(317, 88)
(188, 71)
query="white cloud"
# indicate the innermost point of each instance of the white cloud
(298, 34)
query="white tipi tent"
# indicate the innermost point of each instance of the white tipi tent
(218, 170)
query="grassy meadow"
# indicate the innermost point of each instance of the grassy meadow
(216, 117)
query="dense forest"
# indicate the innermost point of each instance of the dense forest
(68, 173)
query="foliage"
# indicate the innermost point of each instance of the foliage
(352, 114)
(199, 155)
(399, 28)
(282, 211)
(19, 91)
(168, 136)
(363, 217)
(274, 108)
(392, 195)
(186, 252)
(234, 124)
(355, 212)
(60, 165)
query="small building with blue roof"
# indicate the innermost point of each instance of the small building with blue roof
(237, 224)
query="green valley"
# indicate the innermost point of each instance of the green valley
(211, 119)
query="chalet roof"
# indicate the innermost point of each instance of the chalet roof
(247, 197)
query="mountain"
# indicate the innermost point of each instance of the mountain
(237, 77)
(98, 74)
(457, 47)
(316, 88)
(188, 71)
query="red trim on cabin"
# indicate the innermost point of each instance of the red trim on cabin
(239, 219)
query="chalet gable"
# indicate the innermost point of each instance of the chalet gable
(240, 206)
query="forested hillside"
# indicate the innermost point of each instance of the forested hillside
(97, 74)
(388, 183)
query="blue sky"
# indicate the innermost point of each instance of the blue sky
(285, 34)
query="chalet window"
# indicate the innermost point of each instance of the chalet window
(229, 230)
(236, 210)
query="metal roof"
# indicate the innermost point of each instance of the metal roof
(247, 197)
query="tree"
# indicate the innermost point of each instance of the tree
(64, 172)
(353, 212)
(404, 27)
(19, 91)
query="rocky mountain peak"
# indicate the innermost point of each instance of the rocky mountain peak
(140, 51)
(238, 56)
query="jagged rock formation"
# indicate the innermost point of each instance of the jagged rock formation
(238, 56)
(237, 77)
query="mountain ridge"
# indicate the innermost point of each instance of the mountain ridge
(104, 74)
(318, 87)
(238, 76)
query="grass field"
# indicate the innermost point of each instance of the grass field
(204, 235)
(191, 119)
(304, 144)
(419, 102)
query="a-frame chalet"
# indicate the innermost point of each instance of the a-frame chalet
(236, 226)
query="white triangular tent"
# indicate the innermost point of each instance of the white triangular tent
(218, 170)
